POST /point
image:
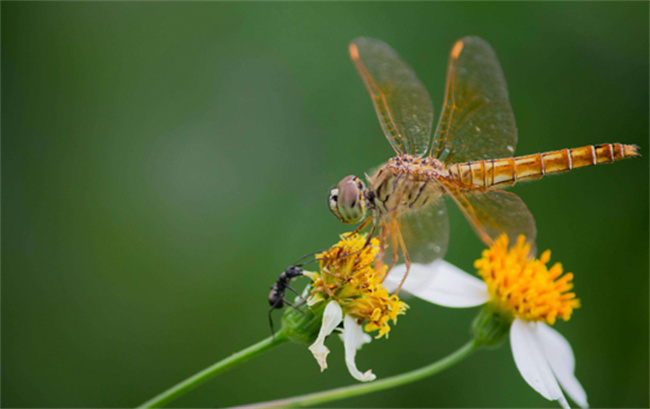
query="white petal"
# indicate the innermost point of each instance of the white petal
(559, 355)
(353, 339)
(419, 275)
(531, 362)
(332, 317)
(441, 283)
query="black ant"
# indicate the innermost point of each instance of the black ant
(279, 289)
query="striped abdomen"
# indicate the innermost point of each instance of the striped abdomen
(508, 171)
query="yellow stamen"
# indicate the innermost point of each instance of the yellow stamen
(524, 287)
(348, 275)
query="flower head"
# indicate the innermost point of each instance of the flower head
(347, 275)
(351, 290)
(522, 297)
(526, 288)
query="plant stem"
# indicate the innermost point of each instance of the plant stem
(365, 388)
(213, 370)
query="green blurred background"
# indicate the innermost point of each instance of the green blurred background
(162, 164)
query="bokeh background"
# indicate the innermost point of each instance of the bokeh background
(162, 163)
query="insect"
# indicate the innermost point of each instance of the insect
(469, 159)
(279, 289)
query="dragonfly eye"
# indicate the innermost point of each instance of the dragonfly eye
(347, 201)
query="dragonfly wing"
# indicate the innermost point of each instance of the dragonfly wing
(425, 231)
(402, 103)
(492, 212)
(476, 120)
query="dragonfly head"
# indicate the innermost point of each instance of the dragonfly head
(347, 200)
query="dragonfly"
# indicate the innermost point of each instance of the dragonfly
(469, 159)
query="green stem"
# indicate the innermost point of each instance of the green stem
(211, 371)
(365, 388)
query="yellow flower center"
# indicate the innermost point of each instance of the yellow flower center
(523, 287)
(348, 275)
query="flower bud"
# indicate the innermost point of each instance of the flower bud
(491, 326)
(301, 324)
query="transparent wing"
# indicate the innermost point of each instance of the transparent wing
(426, 231)
(492, 212)
(402, 103)
(477, 120)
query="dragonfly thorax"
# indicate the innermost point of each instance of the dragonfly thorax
(406, 183)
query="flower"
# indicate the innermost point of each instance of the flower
(522, 297)
(526, 288)
(351, 291)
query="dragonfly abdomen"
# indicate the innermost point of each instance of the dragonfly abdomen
(508, 171)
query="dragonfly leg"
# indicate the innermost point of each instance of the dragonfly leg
(407, 258)
(366, 244)
(379, 259)
(372, 231)
(326, 288)
(341, 277)
(331, 293)
(394, 232)
(361, 226)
